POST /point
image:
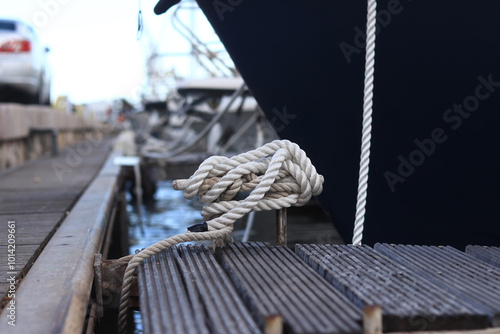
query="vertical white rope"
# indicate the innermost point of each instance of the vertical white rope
(367, 123)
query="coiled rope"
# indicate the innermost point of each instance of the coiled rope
(367, 123)
(278, 174)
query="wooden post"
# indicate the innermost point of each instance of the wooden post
(372, 319)
(281, 233)
(273, 324)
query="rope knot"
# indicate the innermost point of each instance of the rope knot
(278, 175)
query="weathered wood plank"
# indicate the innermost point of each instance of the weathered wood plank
(36, 201)
(32, 232)
(65, 267)
(408, 300)
(184, 290)
(25, 256)
(69, 169)
(458, 273)
(273, 281)
(490, 255)
(206, 280)
(478, 331)
(165, 304)
(31, 229)
(28, 195)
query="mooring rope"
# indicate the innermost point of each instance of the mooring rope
(278, 174)
(367, 123)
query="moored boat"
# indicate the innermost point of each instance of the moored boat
(433, 177)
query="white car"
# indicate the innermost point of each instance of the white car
(24, 70)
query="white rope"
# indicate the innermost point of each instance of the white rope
(278, 174)
(367, 123)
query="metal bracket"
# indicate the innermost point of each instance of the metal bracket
(108, 281)
(98, 284)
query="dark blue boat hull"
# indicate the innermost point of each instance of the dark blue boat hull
(433, 173)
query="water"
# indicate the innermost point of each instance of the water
(169, 214)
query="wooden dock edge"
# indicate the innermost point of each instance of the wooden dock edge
(372, 324)
(495, 330)
(54, 295)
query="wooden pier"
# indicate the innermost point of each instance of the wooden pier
(260, 288)
(54, 213)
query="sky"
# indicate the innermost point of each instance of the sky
(95, 54)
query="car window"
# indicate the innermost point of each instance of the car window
(7, 25)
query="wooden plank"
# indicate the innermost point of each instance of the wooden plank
(65, 267)
(274, 281)
(24, 253)
(478, 331)
(490, 255)
(184, 290)
(165, 304)
(408, 300)
(458, 273)
(25, 256)
(69, 169)
(206, 280)
(32, 233)
(36, 201)
(31, 229)
(28, 194)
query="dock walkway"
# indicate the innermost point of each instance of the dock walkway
(260, 288)
(53, 214)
